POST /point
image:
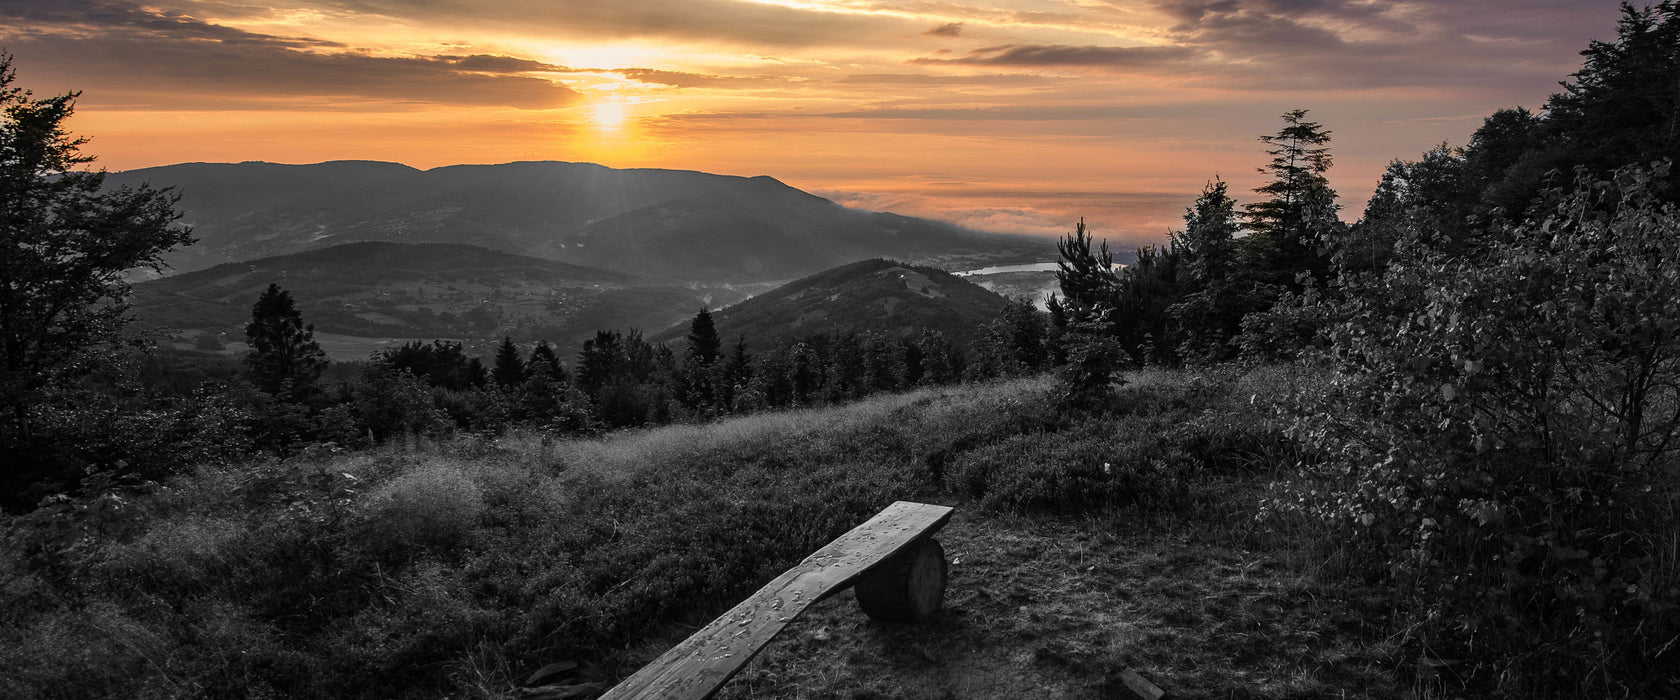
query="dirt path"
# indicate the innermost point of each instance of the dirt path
(1047, 609)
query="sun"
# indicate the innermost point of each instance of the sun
(608, 115)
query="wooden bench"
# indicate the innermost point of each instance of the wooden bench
(899, 574)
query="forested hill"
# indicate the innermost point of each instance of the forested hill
(420, 290)
(884, 296)
(676, 224)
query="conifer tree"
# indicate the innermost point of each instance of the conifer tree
(545, 361)
(698, 375)
(509, 370)
(703, 342)
(1215, 291)
(285, 360)
(737, 375)
(1086, 277)
(1292, 226)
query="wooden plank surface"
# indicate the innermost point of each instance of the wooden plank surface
(702, 663)
(1141, 687)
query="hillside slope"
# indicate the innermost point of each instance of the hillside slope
(421, 290)
(1082, 546)
(682, 225)
(884, 296)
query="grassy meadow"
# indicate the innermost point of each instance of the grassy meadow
(1083, 546)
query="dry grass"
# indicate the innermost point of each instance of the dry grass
(428, 569)
(629, 452)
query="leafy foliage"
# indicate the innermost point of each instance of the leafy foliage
(1505, 434)
(64, 245)
(441, 364)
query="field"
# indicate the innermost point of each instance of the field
(1081, 548)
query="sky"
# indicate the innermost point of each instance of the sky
(1016, 116)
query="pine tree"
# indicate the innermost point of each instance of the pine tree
(1209, 241)
(510, 369)
(1623, 106)
(703, 342)
(285, 360)
(1087, 278)
(1294, 224)
(1214, 291)
(698, 374)
(545, 361)
(737, 375)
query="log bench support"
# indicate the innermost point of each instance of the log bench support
(894, 566)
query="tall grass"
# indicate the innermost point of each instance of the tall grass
(451, 568)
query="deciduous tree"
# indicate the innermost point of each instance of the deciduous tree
(65, 244)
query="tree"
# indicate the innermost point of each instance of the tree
(441, 363)
(285, 360)
(544, 360)
(1293, 225)
(737, 374)
(703, 342)
(64, 246)
(1215, 295)
(509, 370)
(1148, 289)
(1209, 241)
(1623, 108)
(699, 376)
(1086, 277)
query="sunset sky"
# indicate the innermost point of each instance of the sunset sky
(1003, 115)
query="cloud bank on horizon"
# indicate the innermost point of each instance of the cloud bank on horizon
(1009, 115)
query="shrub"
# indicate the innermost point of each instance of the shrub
(390, 403)
(434, 507)
(1505, 439)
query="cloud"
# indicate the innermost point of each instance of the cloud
(485, 63)
(123, 49)
(718, 21)
(949, 30)
(694, 80)
(1063, 55)
(1341, 44)
(1035, 212)
(925, 80)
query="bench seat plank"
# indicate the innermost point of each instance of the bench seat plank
(702, 663)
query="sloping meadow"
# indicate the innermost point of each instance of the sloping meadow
(426, 569)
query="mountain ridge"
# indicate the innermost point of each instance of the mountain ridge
(679, 224)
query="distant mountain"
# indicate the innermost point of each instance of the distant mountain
(675, 224)
(422, 290)
(875, 295)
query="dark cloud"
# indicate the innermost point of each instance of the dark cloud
(122, 49)
(732, 21)
(689, 80)
(1062, 55)
(945, 80)
(485, 63)
(949, 29)
(1354, 44)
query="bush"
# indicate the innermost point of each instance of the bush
(433, 508)
(391, 403)
(1504, 438)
